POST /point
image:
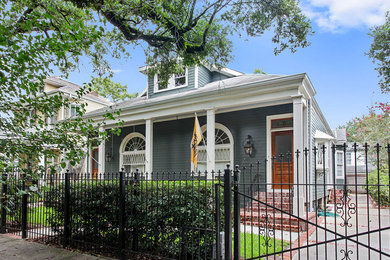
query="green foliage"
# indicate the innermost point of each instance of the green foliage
(259, 71)
(35, 37)
(372, 128)
(105, 87)
(380, 52)
(383, 197)
(160, 211)
(189, 32)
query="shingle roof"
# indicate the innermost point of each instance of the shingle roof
(72, 88)
(222, 84)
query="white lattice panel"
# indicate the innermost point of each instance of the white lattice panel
(132, 158)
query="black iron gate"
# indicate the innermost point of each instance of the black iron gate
(335, 207)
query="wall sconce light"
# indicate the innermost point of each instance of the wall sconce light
(248, 146)
(108, 157)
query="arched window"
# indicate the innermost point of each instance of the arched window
(223, 148)
(132, 152)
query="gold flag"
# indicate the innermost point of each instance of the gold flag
(196, 138)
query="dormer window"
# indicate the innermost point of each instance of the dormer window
(178, 80)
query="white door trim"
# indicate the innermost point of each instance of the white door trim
(269, 141)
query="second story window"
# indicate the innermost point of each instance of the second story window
(73, 109)
(175, 81)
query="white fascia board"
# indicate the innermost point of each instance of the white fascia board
(219, 104)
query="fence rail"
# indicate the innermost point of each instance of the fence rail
(288, 206)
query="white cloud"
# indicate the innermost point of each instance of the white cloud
(116, 70)
(337, 15)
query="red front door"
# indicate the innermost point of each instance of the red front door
(282, 166)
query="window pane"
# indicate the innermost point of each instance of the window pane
(283, 145)
(339, 170)
(349, 158)
(180, 81)
(280, 123)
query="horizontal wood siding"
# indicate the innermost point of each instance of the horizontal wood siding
(316, 124)
(204, 76)
(113, 145)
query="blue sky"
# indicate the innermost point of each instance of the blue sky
(343, 76)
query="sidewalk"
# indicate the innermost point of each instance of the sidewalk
(12, 248)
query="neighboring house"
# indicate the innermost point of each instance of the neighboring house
(275, 113)
(53, 86)
(352, 168)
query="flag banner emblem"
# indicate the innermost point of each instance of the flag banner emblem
(196, 139)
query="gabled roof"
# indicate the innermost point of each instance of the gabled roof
(72, 88)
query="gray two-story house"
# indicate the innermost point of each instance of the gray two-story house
(274, 114)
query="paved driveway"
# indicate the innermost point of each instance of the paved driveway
(361, 220)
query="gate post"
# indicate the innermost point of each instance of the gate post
(136, 194)
(24, 208)
(236, 214)
(227, 193)
(122, 216)
(217, 222)
(67, 209)
(3, 202)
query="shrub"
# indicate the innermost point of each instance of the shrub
(384, 191)
(159, 214)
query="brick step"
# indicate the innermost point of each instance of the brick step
(284, 207)
(293, 228)
(269, 200)
(270, 194)
(275, 220)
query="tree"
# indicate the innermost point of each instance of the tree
(105, 87)
(380, 53)
(259, 71)
(35, 37)
(39, 35)
(188, 32)
(372, 129)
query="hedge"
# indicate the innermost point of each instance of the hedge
(161, 213)
(384, 191)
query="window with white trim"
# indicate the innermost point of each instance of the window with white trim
(73, 109)
(348, 156)
(339, 165)
(223, 148)
(132, 152)
(177, 80)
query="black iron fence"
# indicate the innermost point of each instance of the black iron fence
(300, 205)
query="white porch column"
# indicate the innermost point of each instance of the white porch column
(149, 146)
(210, 141)
(298, 126)
(102, 152)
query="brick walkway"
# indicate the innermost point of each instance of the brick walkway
(15, 248)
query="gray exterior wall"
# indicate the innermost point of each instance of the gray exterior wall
(171, 140)
(316, 123)
(113, 144)
(205, 76)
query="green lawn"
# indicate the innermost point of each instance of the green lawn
(39, 215)
(259, 245)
